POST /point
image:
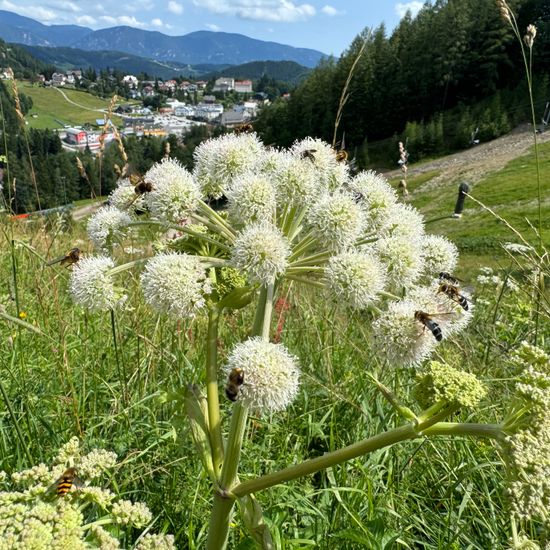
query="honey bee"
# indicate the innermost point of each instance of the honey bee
(234, 383)
(453, 292)
(69, 259)
(245, 128)
(308, 154)
(429, 323)
(66, 481)
(444, 276)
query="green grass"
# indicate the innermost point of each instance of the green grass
(511, 192)
(415, 182)
(54, 111)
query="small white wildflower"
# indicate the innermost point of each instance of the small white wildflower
(92, 287)
(271, 376)
(261, 251)
(337, 219)
(156, 542)
(95, 462)
(400, 337)
(126, 512)
(251, 199)
(517, 248)
(295, 181)
(403, 259)
(124, 197)
(175, 193)
(106, 224)
(104, 538)
(355, 278)
(438, 254)
(68, 452)
(218, 161)
(175, 284)
(36, 474)
(102, 497)
(330, 173)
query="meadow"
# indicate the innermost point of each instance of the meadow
(52, 110)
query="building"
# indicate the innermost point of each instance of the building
(130, 80)
(243, 86)
(76, 136)
(58, 79)
(223, 84)
(184, 110)
(233, 118)
(208, 111)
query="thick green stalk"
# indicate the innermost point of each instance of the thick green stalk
(223, 506)
(366, 446)
(214, 423)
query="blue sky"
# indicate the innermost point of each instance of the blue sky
(325, 25)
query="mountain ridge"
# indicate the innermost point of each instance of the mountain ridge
(194, 48)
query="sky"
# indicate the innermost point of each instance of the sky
(325, 25)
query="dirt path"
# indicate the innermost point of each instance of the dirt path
(475, 163)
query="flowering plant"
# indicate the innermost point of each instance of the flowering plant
(295, 217)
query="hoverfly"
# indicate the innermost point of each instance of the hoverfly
(453, 292)
(72, 257)
(65, 482)
(444, 276)
(429, 323)
(245, 128)
(234, 383)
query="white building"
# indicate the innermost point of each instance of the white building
(224, 84)
(131, 80)
(243, 86)
(208, 111)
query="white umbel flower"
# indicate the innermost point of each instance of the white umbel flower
(106, 224)
(402, 220)
(124, 197)
(295, 181)
(402, 258)
(330, 173)
(337, 219)
(400, 337)
(262, 252)
(270, 373)
(218, 161)
(376, 197)
(438, 254)
(175, 193)
(92, 287)
(355, 278)
(251, 199)
(175, 284)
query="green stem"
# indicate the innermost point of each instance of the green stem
(121, 371)
(221, 512)
(366, 446)
(214, 423)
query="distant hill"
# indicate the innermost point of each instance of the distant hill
(69, 58)
(194, 48)
(20, 60)
(23, 30)
(284, 71)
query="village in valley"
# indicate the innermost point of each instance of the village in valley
(153, 107)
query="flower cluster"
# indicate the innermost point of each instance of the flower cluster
(529, 440)
(441, 382)
(296, 214)
(34, 515)
(270, 374)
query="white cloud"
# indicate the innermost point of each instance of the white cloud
(110, 20)
(212, 27)
(35, 12)
(130, 21)
(174, 7)
(414, 7)
(330, 11)
(86, 20)
(64, 5)
(262, 10)
(157, 22)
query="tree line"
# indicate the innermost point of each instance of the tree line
(453, 69)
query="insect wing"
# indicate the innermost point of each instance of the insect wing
(57, 260)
